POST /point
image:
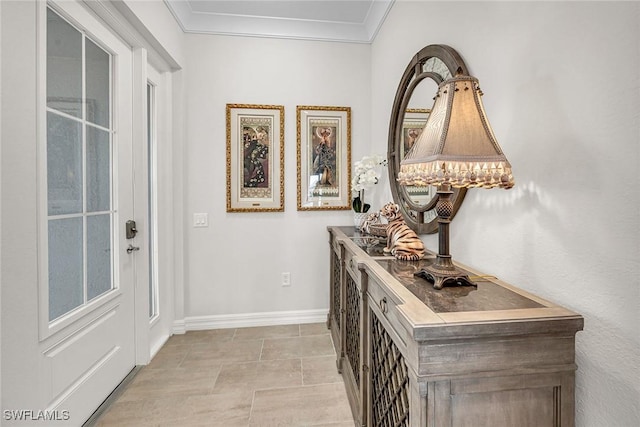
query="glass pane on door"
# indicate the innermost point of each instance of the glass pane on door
(152, 199)
(64, 165)
(64, 66)
(97, 74)
(98, 255)
(98, 170)
(66, 271)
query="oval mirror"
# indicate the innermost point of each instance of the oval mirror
(414, 98)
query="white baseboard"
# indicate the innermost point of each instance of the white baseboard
(198, 323)
(179, 327)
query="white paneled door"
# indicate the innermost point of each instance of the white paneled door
(86, 303)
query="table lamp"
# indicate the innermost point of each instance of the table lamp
(456, 148)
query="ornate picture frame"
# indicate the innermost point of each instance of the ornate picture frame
(324, 157)
(414, 121)
(255, 158)
(412, 125)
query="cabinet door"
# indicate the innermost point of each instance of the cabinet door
(388, 377)
(354, 344)
(352, 329)
(536, 400)
(335, 298)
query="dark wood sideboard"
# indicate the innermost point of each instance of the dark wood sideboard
(462, 356)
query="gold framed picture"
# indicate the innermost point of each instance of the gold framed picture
(255, 158)
(324, 157)
(412, 125)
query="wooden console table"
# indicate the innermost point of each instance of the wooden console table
(414, 356)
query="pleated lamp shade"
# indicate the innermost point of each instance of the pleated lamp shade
(457, 145)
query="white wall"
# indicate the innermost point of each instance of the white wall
(234, 266)
(561, 92)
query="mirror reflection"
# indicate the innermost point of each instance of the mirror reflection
(413, 102)
(413, 122)
(437, 66)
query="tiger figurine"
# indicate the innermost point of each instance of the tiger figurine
(402, 242)
(372, 218)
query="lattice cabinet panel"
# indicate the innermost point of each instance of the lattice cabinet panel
(389, 380)
(352, 333)
(335, 283)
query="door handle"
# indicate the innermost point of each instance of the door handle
(383, 305)
(130, 229)
(132, 248)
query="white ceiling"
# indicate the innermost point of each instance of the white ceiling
(330, 20)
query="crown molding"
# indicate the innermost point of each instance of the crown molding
(275, 27)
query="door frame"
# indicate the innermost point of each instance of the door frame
(160, 326)
(140, 206)
(148, 52)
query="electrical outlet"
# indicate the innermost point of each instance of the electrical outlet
(286, 279)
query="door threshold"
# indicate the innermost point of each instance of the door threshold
(115, 394)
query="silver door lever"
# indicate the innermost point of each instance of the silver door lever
(132, 248)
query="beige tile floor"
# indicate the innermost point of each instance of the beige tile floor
(262, 376)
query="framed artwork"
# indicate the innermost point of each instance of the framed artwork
(412, 126)
(255, 158)
(324, 158)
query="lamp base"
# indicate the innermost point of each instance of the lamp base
(443, 272)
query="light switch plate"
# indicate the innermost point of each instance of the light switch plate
(200, 220)
(286, 279)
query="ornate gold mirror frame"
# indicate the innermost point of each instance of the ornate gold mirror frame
(438, 63)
